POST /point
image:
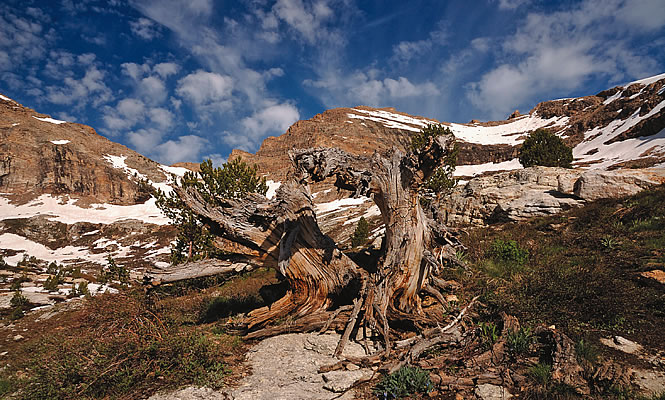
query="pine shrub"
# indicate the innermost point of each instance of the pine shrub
(546, 149)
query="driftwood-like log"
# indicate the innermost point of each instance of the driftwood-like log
(197, 269)
(283, 233)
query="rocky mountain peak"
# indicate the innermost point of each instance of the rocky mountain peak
(39, 155)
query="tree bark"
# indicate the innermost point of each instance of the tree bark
(283, 233)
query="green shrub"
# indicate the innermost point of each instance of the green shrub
(488, 333)
(235, 179)
(507, 251)
(19, 305)
(113, 272)
(420, 140)
(52, 282)
(545, 148)
(586, 351)
(18, 300)
(361, 234)
(541, 374)
(404, 382)
(442, 181)
(519, 342)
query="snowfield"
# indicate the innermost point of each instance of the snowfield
(57, 209)
(50, 120)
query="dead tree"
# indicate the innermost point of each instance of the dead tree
(283, 233)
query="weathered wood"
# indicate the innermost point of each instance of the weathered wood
(283, 233)
(198, 269)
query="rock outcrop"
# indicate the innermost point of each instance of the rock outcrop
(40, 155)
(538, 191)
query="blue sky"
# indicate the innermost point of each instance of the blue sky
(187, 80)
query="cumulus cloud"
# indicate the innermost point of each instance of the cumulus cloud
(183, 148)
(202, 87)
(145, 28)
(152, 90)
(151, 142)
(561, 50)
(166, 69)
(91, 88)
(126, 114)
(405, 51)
(512, 4)
(273, 119)
(22, 39)
(367, 88)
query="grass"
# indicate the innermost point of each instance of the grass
(130, 345)
(404, 382)
(569, 271)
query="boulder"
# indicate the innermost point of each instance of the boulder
(601, 184)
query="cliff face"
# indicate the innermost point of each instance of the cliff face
(41, 155)
(619, 127)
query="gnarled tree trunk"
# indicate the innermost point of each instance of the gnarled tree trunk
(283, 233)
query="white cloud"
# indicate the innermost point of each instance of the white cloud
(135, 71)
(89, 89)
(405, 51)
(274, 119)
(557, 52)
(203, 87)
(126, 114)
(306, 18)
(152, 90)
(166, 69)
(145, 28)
(365, 88)
(161, 118)
(144, 140)
(184, 148)
(512, 4)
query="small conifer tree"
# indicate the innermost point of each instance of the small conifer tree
(546, 149)
(361, 234)
(234, 179)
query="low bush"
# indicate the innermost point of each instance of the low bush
(546, 149)
(488, 333)
(519, 342)
(121, 354)
(404, 382)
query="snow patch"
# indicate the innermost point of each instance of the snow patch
(338, 205)
(508, 133)
(11, 241)
(473, 170)
(373, 211)
(64, 141)
(391, 120)
(68, 213)
(50, 120)
(272, 188)
(177, 171)
(647, 81)
(625, 150)
(5, 98)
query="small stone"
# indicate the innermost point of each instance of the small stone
(622, 344)
(492, 392)
(18, 337)
(656, 274)
(4, 353)
(452, 298)
(352, 367)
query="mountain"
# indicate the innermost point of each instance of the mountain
(616, 129)
(74, 197)
(70, 195)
